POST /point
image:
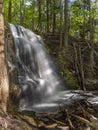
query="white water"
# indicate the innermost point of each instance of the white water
(40, 82)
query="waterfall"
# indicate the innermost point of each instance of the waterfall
(42, 88)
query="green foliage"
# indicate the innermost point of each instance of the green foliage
(70, 79)
(80, 14)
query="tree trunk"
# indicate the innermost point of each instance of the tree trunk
(40, 15)
(9, 11)
(4, 85)
(61, 21)
(66, 23)
(54, 17)
(91, 28)
(33, 14)
(47, 13)
(21, 12)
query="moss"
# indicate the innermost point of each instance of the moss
(13, 99)
(2, 129)
(70, 79)
(61, 59)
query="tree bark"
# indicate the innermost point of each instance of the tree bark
(47, 14)
(61, 24)
(91, 28)
(22, 12)
(9, 11)
(4, 85)
(40, 15)
(54, 17)
(33, 14)
(66, 23)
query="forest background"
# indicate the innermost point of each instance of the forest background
(69, 29)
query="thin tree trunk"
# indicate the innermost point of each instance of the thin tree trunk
(81, 70)
(54, 17)
(47, 5)
(9, 11)
(33, 13)
(92, 63)
(91, 26)
(61, 21)
(66, 23)
(4, 85)
(21, 12)
(84, 17)
(40, 15)
(76, 64)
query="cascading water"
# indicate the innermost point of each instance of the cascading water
(42, 89)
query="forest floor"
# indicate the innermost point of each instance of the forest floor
(81, 115)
